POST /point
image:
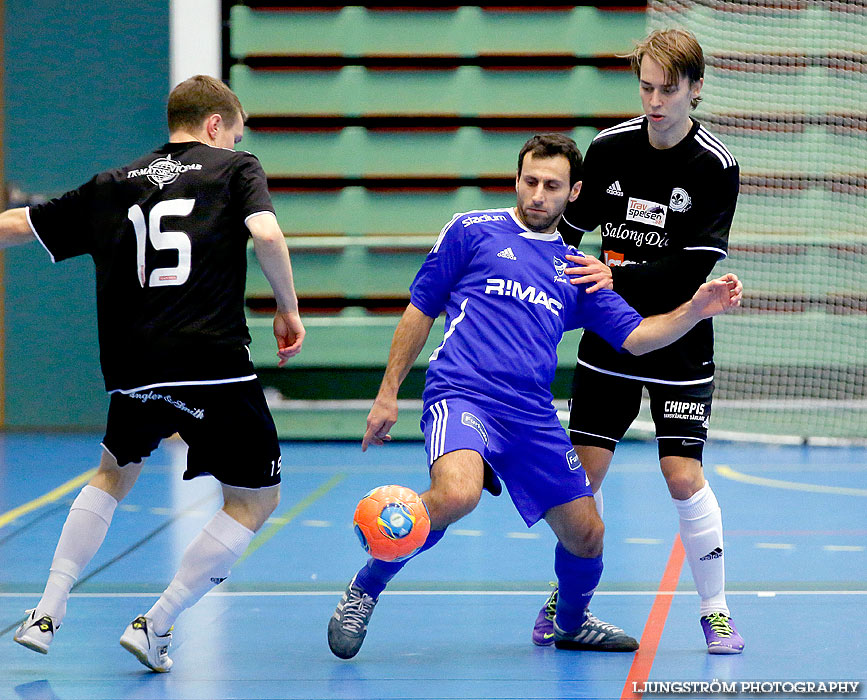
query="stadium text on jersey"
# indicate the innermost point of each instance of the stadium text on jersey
(481, 219)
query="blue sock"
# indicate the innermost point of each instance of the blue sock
(375, 575)
(577, 578)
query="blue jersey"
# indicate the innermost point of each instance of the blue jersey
(507, 303)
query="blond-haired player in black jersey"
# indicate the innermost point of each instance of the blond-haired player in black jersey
(662, 189)
(168, 236)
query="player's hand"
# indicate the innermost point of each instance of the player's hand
(382, 416)
(289, 332)
(590, 271)
(718, 296)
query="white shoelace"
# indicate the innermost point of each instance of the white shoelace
(356, 612)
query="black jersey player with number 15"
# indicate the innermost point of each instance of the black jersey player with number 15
(662, 190)
(168, 236)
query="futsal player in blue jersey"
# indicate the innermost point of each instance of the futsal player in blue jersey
(499, 276)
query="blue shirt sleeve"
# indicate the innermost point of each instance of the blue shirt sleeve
(442, 269)
(606, 313)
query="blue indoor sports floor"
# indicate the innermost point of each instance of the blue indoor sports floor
(456, 622)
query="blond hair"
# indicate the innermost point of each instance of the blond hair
(677, 51)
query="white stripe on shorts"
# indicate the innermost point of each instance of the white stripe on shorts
(584, 432)
(434, 431)
(438, 431)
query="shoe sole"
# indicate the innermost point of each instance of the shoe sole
(142, 657)
(33, 646)
(582, 646)
(723, 650)
(343, 653)
(340, 654)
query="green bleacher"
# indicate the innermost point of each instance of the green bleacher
(376, 124)
(459, 105)
(467, 90)
(358, 152)
(457, 31)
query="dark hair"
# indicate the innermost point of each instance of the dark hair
(550, 145)
(677, 51)
(197, 98)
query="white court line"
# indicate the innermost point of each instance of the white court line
(540, 592)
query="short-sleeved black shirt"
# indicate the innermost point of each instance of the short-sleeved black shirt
(662, 215)
(168, 236)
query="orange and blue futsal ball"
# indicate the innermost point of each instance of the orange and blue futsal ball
(391, 522)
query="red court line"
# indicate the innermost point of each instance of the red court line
(643, 660)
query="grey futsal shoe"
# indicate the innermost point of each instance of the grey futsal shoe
(594, 635)
(348, 624)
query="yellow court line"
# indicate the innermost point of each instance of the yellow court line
(47, 498)
(289, 515)
(729, 473)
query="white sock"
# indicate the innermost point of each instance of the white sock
(597, 498)
(82, 535)
(702, 536)
(205, 563)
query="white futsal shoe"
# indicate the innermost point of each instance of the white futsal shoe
(150, 649)
(36, 633)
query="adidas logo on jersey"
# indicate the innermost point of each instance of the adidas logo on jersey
(507, 254)
(614, 188)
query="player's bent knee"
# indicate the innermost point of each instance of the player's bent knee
(454, 507)
(270, 500)
(456, 485)
(448, 504)
(583, 535)
(116, 481)
(251, 508)
(683, 476)
(578, 526)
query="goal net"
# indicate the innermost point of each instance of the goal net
(786, 90)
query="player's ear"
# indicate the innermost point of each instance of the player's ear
(576, 188)
(213, 124)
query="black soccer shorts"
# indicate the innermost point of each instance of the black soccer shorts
(228, 428)
(608, 405)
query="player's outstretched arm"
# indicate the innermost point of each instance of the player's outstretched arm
(409, 338)
(711, 299)
(270, 248)
(14, 228)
